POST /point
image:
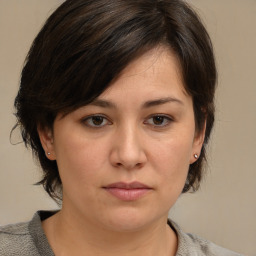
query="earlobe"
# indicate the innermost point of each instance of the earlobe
(46, 138)
(198, 144)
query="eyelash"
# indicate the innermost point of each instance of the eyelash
(90, 118)
(166, 119)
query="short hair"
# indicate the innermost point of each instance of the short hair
(85, 44)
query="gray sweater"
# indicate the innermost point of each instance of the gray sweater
(29, 239)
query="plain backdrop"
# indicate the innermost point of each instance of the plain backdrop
(224, 209)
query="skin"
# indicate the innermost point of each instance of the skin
(144, 131)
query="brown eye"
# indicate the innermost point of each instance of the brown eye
(96, 121)
(159, 120)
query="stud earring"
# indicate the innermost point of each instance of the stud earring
(48, 153)
(195, 156)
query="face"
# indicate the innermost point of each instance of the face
(123, 159)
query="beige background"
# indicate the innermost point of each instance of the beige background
(224, 210)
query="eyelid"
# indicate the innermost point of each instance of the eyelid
(167, 117)
(86, 118)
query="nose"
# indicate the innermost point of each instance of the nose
(128, 149)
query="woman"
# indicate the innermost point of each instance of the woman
(116, 102)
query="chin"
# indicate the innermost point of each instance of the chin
(129, 220)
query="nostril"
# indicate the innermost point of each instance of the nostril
(138, 165)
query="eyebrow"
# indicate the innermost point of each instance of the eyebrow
(147, 104)
(103, 103)
(161, 101)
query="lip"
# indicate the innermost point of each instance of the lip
(127, 191)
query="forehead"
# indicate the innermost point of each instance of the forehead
(152, 80)
(156, 72)
(155, 60)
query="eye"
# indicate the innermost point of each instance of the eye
(159, 120)
(96, 121)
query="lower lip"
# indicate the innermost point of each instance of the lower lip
(128, 194)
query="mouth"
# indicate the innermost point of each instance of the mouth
(127, 191)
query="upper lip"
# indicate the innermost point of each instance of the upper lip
(125, 185)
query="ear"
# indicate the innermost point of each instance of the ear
(197, 144)
(46, 138)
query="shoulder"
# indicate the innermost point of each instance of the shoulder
(193, 245)
(208, 248)
(25, 238)
(15, 239)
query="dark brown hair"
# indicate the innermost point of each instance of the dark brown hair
(85, 44)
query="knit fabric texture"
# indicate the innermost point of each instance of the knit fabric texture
(29, 239)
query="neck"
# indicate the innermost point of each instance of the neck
(72, 235)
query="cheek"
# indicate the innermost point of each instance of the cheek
(80, 160)
(171, 159)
